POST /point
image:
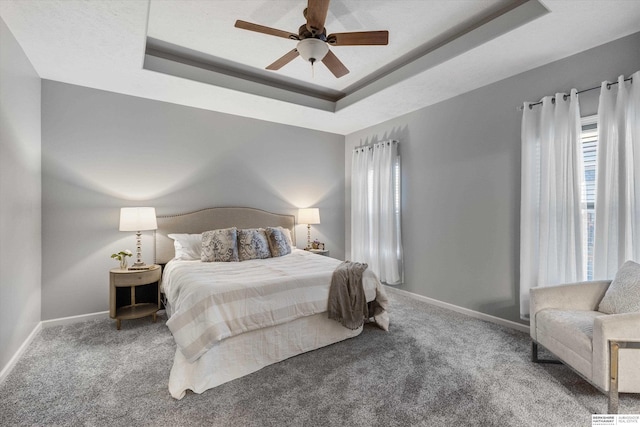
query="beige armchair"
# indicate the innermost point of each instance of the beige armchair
(602, 348)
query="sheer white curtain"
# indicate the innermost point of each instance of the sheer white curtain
(617, 229)
(551, 231)
(375, 210)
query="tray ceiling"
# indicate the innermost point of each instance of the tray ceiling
(190, 53)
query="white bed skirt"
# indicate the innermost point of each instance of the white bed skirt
(243, 354)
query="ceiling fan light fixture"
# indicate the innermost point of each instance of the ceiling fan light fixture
(312, 50)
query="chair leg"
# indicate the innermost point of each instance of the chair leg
(614, 348)
(534, 355)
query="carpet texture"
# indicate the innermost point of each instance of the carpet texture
(434, 368)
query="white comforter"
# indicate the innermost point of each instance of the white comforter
(216, 300)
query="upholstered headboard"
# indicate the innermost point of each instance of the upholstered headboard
(212, 219)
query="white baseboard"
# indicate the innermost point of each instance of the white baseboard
(18, 354)
(47, 324)
(74, 319)
(467, 311)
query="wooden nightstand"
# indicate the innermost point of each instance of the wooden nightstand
(324, 252)
(143, 298)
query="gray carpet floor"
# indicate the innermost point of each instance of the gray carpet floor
(434, 368)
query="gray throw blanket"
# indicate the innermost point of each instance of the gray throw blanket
(347, 302)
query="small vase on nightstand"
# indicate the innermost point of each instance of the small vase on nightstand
(123, 263)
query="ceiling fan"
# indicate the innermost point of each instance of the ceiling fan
(313, 41)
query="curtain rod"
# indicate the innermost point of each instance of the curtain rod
(630, 79)
(370, 146)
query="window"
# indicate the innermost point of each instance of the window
(589, 139)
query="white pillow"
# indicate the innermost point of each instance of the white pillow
(188, 246)
(623, 295)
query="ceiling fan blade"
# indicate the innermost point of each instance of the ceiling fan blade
(316, 15)
(265, 30)
(334, 65)
(284, 60)
(359, 38)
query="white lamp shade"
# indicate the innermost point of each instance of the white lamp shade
(309, 216)
(138, 219)
(312, 49)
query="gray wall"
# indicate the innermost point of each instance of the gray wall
(461, 179)
(102, 151)
(20, 237)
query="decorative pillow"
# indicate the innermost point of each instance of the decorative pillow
(187, 246)
(252, 244)
(278, 243)
(623, 295)
(220, 245)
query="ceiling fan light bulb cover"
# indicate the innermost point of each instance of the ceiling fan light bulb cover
(312, 49)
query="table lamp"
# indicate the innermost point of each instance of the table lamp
(309, 216)
(138, 219)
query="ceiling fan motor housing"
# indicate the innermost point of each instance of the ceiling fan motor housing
(304, 33)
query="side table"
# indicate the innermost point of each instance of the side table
(324, 252)
(138, 305)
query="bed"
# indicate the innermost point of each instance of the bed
(275, 307)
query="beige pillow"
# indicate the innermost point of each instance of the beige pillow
(623, 295)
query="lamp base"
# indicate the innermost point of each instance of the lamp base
(139, 264)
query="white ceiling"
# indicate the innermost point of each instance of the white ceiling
(101, 44)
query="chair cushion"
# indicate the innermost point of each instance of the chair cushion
(623, 295)
(571, 333)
